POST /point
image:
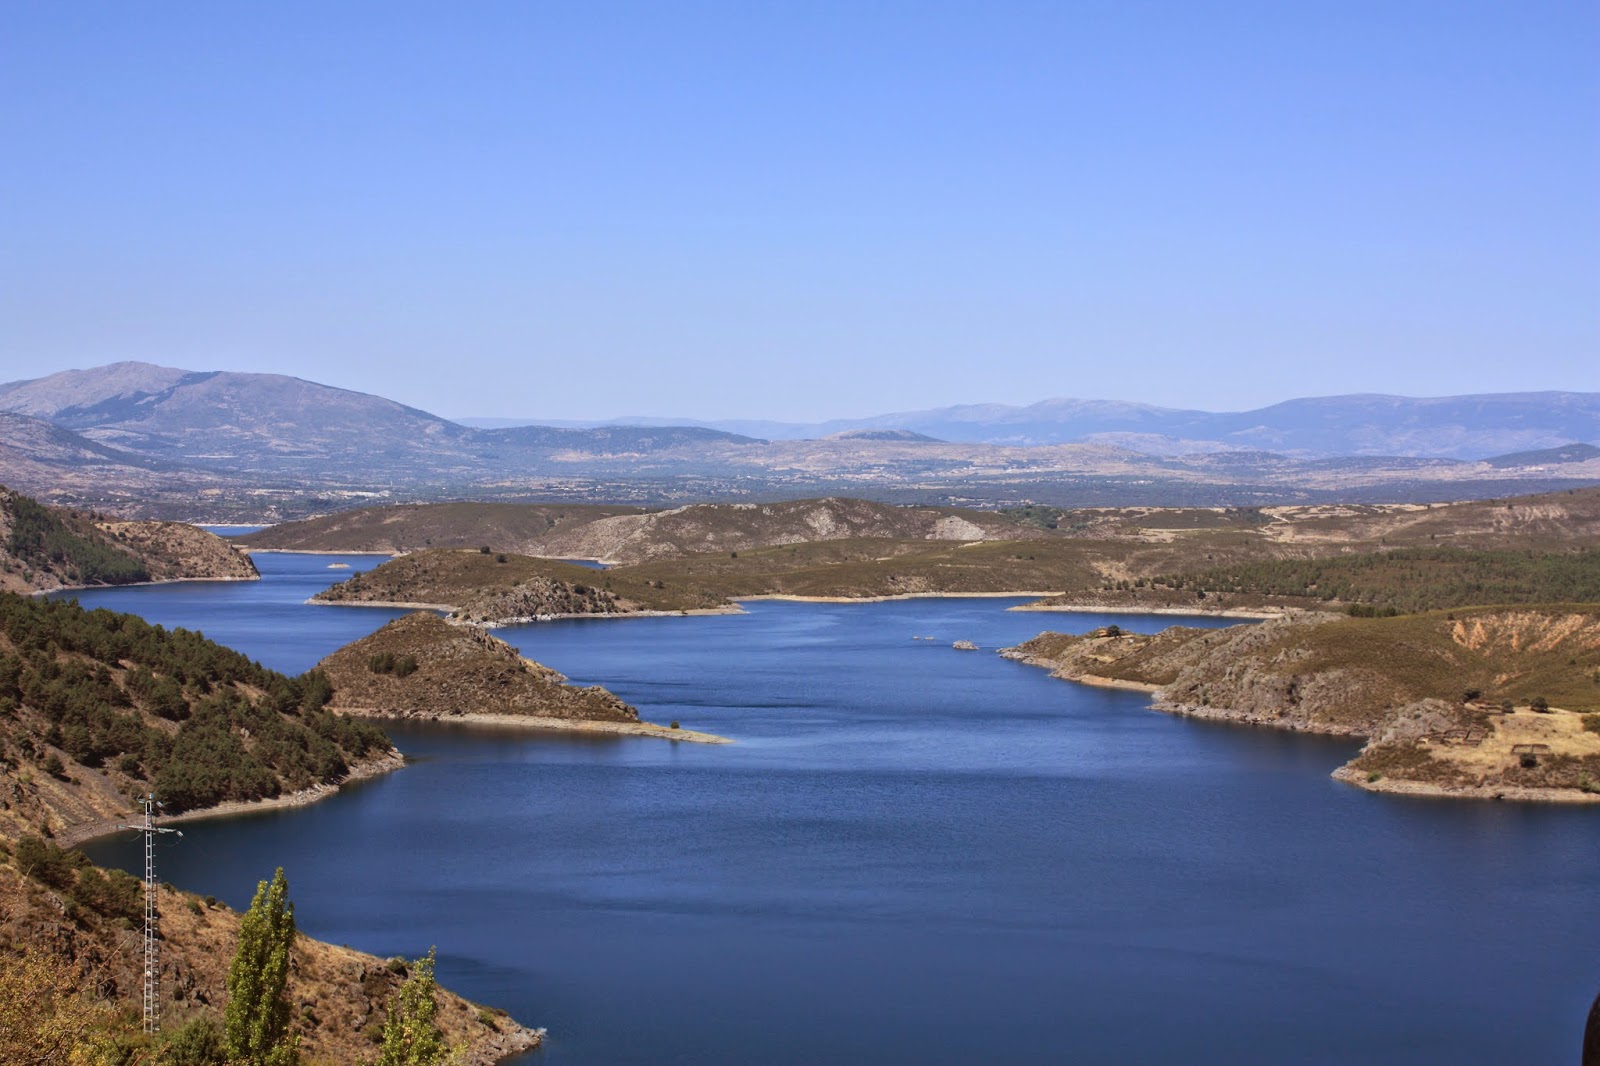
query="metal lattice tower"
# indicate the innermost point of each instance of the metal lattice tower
(152, 941)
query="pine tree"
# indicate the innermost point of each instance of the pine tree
(256, 1024)
(410, 1035)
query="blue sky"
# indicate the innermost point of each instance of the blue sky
(805, 210)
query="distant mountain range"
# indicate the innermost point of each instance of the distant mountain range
(1451, 427)
(138, 438)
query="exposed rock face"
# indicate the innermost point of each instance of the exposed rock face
(421, 666)
(541, 597)
(744, 527)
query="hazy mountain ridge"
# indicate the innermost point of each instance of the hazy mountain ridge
(142, 440)
(1455, 427)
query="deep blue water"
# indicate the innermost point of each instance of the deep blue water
(911, 855)
(269, 620)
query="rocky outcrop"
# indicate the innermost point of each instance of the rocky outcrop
(540, 598)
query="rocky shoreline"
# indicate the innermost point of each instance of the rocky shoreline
(1400, 787)
(363, 770)
(1355, 680)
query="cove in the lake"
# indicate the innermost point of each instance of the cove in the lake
(911, 855)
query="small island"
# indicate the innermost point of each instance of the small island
(424, 667)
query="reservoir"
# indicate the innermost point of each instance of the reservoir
(911, 855)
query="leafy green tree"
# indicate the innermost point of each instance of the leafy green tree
(256, 1023)
(411, 1037)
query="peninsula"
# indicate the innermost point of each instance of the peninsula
(1249, 561)
(1488, 702)
(43, 548)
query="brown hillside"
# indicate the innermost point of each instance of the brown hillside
(179, 551)
(631, 535)
(508, 527)
(453, 670)
(338, 996)
(44, 547)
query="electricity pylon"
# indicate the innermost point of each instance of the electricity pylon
(152, 940)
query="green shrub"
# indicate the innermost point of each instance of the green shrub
(198, 1043)
(44, 862)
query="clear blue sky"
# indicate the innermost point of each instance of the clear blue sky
(799, 210)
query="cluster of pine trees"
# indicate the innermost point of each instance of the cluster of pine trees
(46, 540)
(96, 678)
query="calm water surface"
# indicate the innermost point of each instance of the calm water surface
(911, 855)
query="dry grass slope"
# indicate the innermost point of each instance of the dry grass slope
(423, 666)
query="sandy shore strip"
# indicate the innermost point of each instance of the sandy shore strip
(542, 723)
(1110, 682)
(390, 604)
(139, 584)
(313, 551)
(500, 623)
(526, 620)
(1214, 612)
(1083, 679)
(888, 598)
(361, 771)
